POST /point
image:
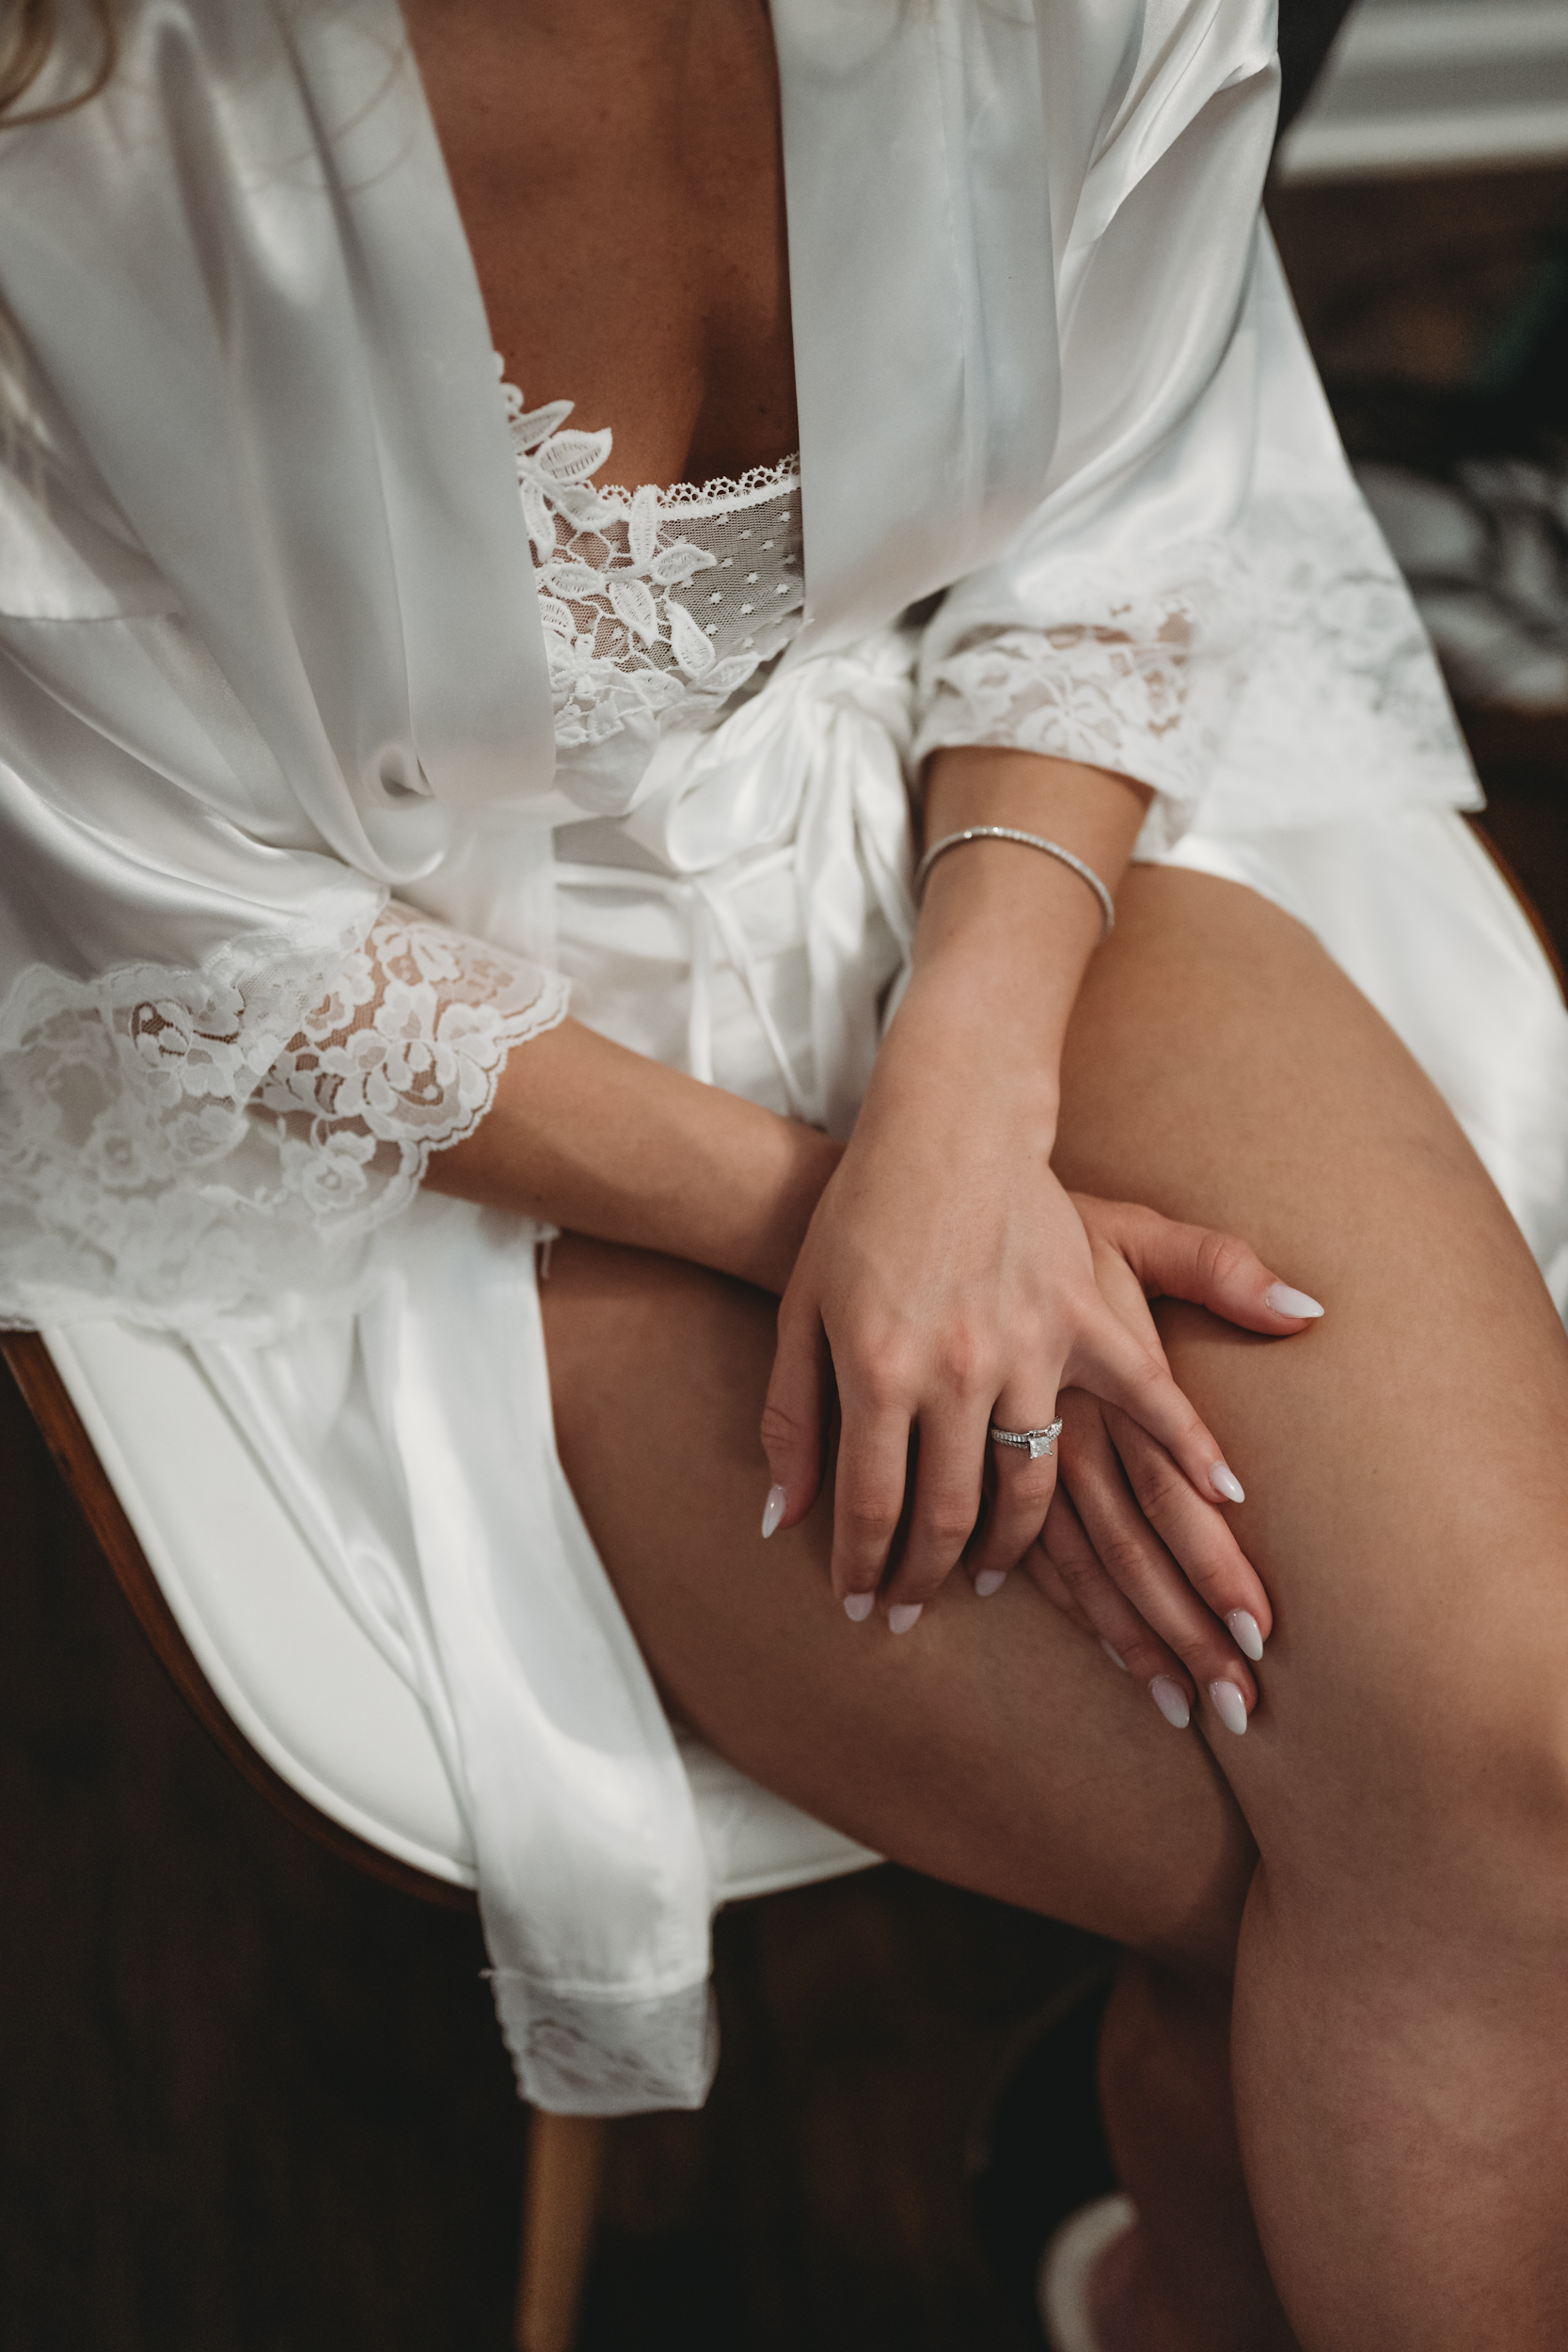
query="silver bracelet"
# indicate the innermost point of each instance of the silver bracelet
(1030, 841)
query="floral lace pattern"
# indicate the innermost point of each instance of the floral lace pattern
(398, 1060)
(1257, 688)
(200, 1145)
(1335, 678)
(1123, 691)
(171, 1139)
(653, 601)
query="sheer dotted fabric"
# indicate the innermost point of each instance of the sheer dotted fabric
(655, 601)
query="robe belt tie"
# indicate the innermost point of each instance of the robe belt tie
(807, 778)
(715, 933)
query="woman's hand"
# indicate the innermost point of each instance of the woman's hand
(947, 1280)
(1129, 1551)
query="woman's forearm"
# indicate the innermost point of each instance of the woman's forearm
(585, 1135)
(1006, 934)
(1010, 928)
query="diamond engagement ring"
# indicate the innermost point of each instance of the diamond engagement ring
(1038, 1440)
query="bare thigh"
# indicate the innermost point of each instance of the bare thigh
(1406, 1477)
(1223, 1070)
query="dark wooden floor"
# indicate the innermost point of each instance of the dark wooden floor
(253, 2103)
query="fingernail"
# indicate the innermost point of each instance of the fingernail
(1244, 1628)
(1229, 1707)
(1171, 1700)
(1224, 1482)
(903, 1615)
(989, 1580)
(858, 1606)
(1285, 1301)
(1116, 1658)
(774, 1510)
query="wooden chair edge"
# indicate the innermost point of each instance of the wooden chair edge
(1527, 907)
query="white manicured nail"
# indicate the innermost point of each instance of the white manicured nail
(1116, 1658)
(989, 1580)
(1285, 1301)
(1229, 1707)
(858, 1606)
(1171, 1700)
(903, 1615)
(1224, 1482)
(1244, 1628)
(774, 1510)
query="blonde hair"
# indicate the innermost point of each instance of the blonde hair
(28, 31)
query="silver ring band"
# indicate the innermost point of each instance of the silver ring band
(1038, 1441)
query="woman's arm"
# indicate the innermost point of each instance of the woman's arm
(946, 1277)
(583, 1133)
(1005, 921)
(953, 1214)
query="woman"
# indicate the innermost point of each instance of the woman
(327, 770)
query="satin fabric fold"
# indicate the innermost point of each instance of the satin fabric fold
(816, 761)
(414, 1440)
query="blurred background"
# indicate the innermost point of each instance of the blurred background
(254, 2103)
(1420, 204)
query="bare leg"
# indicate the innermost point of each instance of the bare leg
(1401, 2025)
(1402, 2033)
(993, 1755)
(1191, 2273)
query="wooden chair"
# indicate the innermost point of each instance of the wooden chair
(277, 1671)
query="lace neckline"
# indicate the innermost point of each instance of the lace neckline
(657, 602)
(577, 455)
(727, 490)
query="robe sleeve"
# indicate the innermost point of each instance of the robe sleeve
(226, 1051)
(1201, 600)
(245, 710)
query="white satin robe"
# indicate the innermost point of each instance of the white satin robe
(271, 649)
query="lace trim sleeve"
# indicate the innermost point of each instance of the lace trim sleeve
(1128, 690)
(1282, 679)
(400, 1058)
(202, 1150)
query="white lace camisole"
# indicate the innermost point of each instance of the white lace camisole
(655, 601)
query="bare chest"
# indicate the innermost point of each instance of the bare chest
(617, 167)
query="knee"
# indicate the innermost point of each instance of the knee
(1444, 1774)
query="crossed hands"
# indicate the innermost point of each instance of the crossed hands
(1042, 1310)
